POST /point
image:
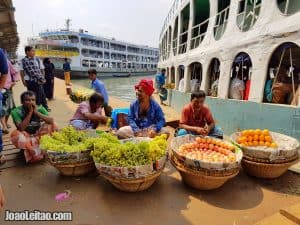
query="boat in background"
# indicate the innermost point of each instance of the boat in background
(122, 75)
(86, 51)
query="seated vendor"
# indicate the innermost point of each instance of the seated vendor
(89, 114)
(197, 119)
(146, 118)
(32, 122)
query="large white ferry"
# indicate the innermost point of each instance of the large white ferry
(214, 40)
(108, 56)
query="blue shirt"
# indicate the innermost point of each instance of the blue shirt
(67, 67)
(155, 117)
(160, 79)
(99, 87)
(3, 63)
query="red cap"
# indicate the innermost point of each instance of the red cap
(146, 85)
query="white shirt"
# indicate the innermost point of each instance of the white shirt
(236, 87)
(181, 85)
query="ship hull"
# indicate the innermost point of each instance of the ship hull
(79, 74)
(234, 115)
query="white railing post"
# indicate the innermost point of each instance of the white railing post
(191, 23)
(187, 79)
(179, 31)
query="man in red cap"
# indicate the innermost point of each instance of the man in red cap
(146, 117)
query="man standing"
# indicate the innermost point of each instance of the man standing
(33, 76)
(3, 71)
(99, 87)
(67, 72)
(160, 80)
(196, 118)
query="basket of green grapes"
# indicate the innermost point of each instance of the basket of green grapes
(130, 165)
(69, 151)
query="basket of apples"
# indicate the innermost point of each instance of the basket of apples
(205, 163)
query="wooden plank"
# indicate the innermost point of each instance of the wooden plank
(11, 151)
(14, 156)
(8, 147)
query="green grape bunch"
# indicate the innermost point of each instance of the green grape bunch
(108, 150)
(66, 140)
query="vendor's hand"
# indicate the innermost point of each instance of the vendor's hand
(2, 199)
(201, 131)
(138, 134)
(152, 133)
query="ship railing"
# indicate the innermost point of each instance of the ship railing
(175, 46)
(198, 33)
(247, 18)
(221, 22)
(183, 37)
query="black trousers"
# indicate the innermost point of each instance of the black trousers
(38, 89)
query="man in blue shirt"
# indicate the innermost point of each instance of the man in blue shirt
(99, 87)
(160, 80)
(3, 75)
(146, 118)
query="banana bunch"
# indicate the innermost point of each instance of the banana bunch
(81, 95)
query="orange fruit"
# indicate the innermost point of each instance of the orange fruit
(245, 132)
(255, 143)
(251, 132)
(249, 138)
(256, 137)
(268, 138)
(250, 143)
(261, 143)
(246, 143)
(262, 137)
(267, 144)
(274, 145)
(258, 132)
(265, 132)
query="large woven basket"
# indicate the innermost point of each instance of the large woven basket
(75, 169)
(203, 180)
(266, 170)
(132, 185)
(73, 163)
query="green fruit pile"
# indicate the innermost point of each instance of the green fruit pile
(81, 95)
(108, 150)
(66, 140)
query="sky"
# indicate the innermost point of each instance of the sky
(137, 21)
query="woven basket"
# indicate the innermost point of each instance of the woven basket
(76, 169)
(200, 180)
(132, 185)
(266, 161)
(266, 170)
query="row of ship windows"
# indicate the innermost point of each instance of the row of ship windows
(247, 15)
(282, 84)
(105, 45)
(115, 56)
(115, 65)
(287, 7)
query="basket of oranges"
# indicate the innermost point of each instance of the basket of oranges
(266, 154)
(205, 163)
